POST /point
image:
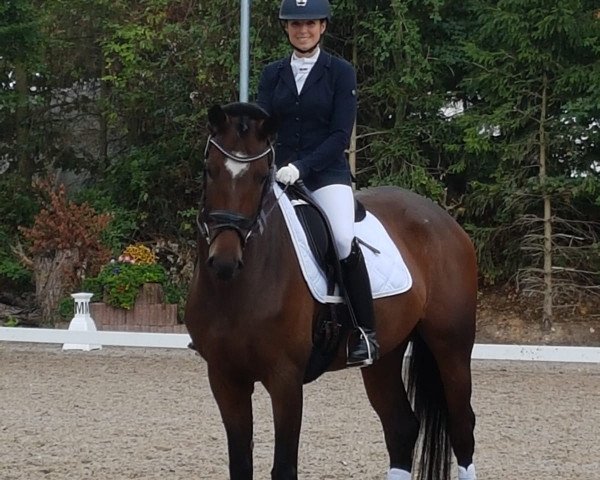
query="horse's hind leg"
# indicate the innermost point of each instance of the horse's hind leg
(455, 372)
(386, 392)
(451, 348)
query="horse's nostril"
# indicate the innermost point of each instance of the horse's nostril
(225, 274)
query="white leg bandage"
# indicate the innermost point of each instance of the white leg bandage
(397, 474)
(467, 473)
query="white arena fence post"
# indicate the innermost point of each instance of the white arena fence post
(82, 322)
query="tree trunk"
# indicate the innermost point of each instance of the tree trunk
(103, 130)
(352, 152)
(24, 160)
(400, 59)
(52, 277)
(547, 308)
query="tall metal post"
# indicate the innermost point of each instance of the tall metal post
(244, 49)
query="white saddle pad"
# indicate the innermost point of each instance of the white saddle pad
(387, 271)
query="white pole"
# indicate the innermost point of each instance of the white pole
(244, 49)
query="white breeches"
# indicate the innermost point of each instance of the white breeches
(337, 201)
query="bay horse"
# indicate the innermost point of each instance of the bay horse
(251, 316)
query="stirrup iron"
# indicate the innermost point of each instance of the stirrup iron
(371, 352)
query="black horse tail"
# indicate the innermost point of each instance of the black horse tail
(426, 392)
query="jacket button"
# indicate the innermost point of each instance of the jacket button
(297, 119)
(297, 135)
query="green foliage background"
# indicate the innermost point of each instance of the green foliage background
(113, 94)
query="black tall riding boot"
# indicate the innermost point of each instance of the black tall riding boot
(358, 289)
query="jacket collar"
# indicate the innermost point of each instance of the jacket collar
(317, 71)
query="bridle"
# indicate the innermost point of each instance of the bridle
(212, 223)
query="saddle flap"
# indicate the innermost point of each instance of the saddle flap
(387, 270)
(315, 226)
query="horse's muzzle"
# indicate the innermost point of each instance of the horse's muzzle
(225, 254)
(225, 269)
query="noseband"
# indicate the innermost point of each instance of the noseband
(212, 223)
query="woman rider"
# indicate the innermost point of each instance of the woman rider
(313, 95)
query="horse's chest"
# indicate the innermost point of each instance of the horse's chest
(241, 344)
(247, 334)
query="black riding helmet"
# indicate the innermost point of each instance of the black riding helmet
(305, 10)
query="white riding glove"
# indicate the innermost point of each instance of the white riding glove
(288, 175)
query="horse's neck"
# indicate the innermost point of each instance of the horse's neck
(266, 251)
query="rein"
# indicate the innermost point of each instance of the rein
(211, 224)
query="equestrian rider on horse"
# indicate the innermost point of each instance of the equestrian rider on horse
(313, 95)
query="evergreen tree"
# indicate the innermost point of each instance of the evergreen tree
(408, 68)
(19, 59)
(531, 128)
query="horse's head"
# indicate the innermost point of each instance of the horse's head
(237, 174)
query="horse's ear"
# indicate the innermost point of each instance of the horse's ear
(217, 119)
(268, 127)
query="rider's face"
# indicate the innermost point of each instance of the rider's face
(304, 34)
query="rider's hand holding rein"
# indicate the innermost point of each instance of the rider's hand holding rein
(288, 175)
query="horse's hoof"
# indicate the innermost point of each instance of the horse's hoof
(193, 347)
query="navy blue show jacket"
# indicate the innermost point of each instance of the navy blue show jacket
(314, 126)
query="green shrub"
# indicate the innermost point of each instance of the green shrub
(66, 308)
(17, 207)
(123, 225)
(119, 283)
(12, 272)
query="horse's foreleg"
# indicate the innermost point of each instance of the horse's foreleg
(286, 399)
(234, 398)
(386, 392)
